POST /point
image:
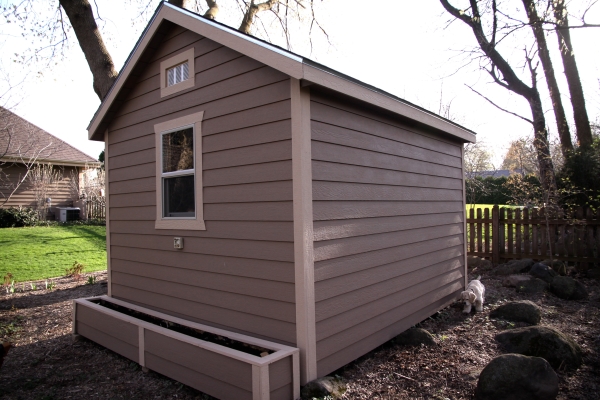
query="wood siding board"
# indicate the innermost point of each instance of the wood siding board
(346, 246)
(276, 251)
(346, 137)
(361, 296)
(260, 153)
(251, 230)
(133, 199)
(255, 88)
(206, 384)
(271, 131)
(328, 269)
(328, 191)
(147, 213)
(264, 172)
(121, 330)
(353, 281)
(133, 186)
(323, 151)
(139, 157)
(133, 144)
(257, 211)
(341, 321)
(253, 192)
(330, 210)
(133, 172)
(338, 342)
(280, 374)
(197, 359)
(336, 229)
(363, 346)
(363, 117)
(283, 393)
(214, 316)
(210, 283)
(336, 172)
(242, 267)
(110, 342)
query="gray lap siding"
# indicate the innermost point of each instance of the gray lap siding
(388, 227)
(238, 274)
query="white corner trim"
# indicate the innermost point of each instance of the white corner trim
(304, 260)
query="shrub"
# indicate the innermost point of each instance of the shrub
(18, 217)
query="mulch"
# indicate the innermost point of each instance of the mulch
(46, 363)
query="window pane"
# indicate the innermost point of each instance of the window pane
(185, 72)
(170, 76)
(178, 150)
(178, 196)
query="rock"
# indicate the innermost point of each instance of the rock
(514, 267)
(517, 377)
(534, 285)
(415, 337)
(515, 280)
(568, 288)
(593, 273)
(478, 262)
(558, 266)
(539, 341)
(322, 387)
(543, 272)
(518, 311)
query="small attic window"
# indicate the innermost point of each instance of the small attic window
(177, 73)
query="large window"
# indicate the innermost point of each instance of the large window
(179, 173)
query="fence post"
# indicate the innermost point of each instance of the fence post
(495, 236)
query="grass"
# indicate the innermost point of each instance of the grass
(46, 252)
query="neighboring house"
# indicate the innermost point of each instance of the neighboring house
(23, 145)
(253, 191)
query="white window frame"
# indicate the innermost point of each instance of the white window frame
(187, 223)
(179, 59)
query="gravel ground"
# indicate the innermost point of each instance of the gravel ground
(46, 363)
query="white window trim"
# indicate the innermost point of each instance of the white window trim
(186, 56)
(186, 223)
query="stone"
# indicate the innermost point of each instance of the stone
(479, 263)
(531, 286)
(514, 267)
(558, 349)
(558, 266)
(415, 337)
(568, 288)
(515, 280)
(543, 272)
(518, 311)
(323, 387)
(593, 273)
(517, 377)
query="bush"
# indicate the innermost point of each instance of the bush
(488, 190)
(579, 178)
(18, 217)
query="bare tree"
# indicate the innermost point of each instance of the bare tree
(43, 179)
(536, 24)
(80, 17)
(503, 74)
(582, 122)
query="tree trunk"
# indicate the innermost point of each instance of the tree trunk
(582, 122)
(559, 111)
(251, 12)
(99, 60)
(213, 9)
(510, 81)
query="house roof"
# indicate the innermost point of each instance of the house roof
(292, 64)
(22, 141)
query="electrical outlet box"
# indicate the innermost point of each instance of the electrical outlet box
(178, 243)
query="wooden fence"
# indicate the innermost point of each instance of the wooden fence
(95, 207)
(501, 234)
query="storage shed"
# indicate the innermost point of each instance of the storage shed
(259, 196)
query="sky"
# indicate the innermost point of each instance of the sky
(404, 47)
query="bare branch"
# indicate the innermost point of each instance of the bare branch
(500, 108)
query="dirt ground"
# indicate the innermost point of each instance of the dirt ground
(46, 363)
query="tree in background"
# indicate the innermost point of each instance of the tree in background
(43, 179)
(80, 17)
(521, 157)
(503, 74)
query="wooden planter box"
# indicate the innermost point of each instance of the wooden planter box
(214, 369)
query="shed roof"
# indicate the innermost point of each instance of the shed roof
(276, 57)
(22, 141)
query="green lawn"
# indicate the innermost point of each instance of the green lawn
(45, 252)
